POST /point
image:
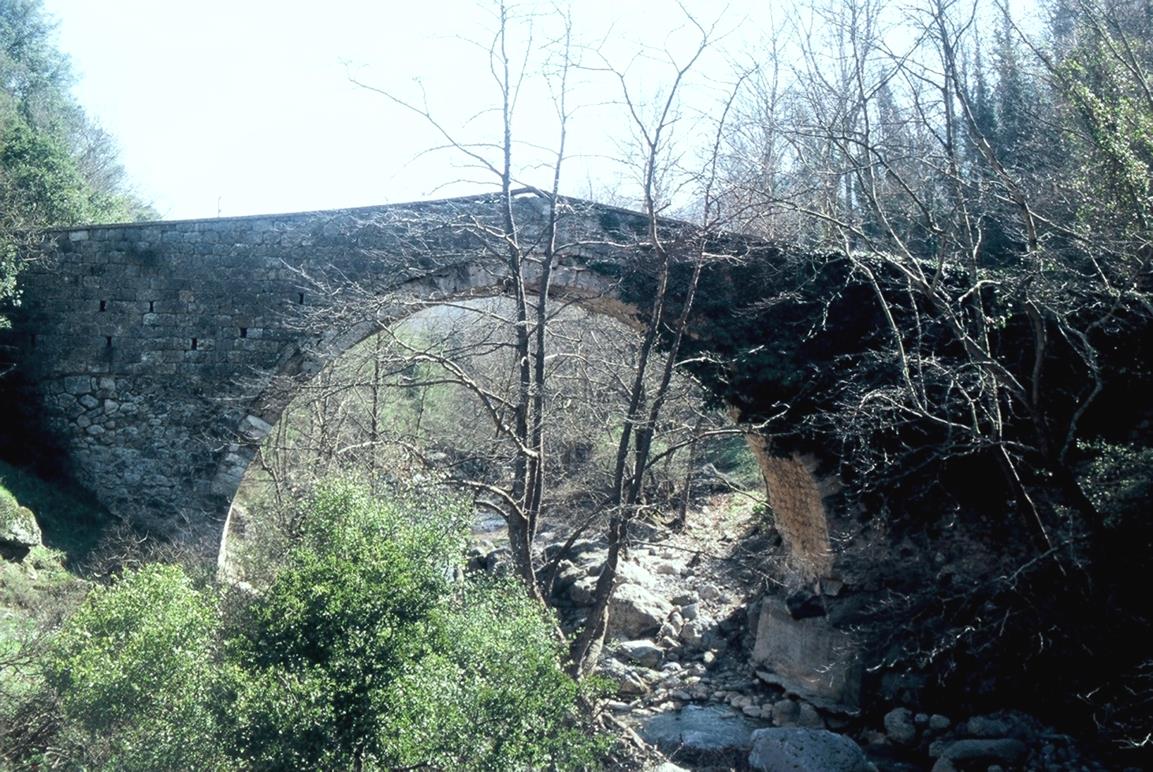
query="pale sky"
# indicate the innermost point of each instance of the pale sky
(245, 106)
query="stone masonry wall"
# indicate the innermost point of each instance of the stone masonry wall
(147, 348)
(152, 353)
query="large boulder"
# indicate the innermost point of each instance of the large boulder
(644, 653)
(19, 532)
(806, 750)
(635, 612)
(808, 657)
(714, 734)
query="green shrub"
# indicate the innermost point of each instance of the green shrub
(364, 651)
(134, 671)
(494, 697)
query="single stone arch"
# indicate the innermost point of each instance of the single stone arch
(146, 350)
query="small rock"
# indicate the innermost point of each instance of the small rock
(566, 576)
(708, 592)
(753, 711)
(808, 717)
(19, 531)
(709, 657)
(690, 611)
(635, 612)
(939, 723)
(899, 726)
(624, 679)
(631, 573)
(698, 632)
(685, 598)
(786, 712)
(983, 726)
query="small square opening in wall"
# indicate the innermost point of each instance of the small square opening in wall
(244, 332)
(300, 298)
(194, 344)
(151, 306)
(103, 305)
(107, 341)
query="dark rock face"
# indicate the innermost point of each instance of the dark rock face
(806, 750)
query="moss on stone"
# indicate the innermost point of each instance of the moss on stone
(19, 531)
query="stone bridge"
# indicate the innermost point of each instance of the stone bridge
(153, 355)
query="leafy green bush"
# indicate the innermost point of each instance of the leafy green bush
(493, 697)
(365, 651)
(134, 671)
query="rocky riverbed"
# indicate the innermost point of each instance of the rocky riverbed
(714, 666)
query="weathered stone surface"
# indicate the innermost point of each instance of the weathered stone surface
(627, 682)
(645, 653)
(156, 355)
(808, 657)
(19, 531)
(900, 727)
(696, 732)
(635, 612)
(806, 750)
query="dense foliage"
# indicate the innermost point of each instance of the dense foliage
(366, 650)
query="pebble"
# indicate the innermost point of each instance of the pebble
(939, 723)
